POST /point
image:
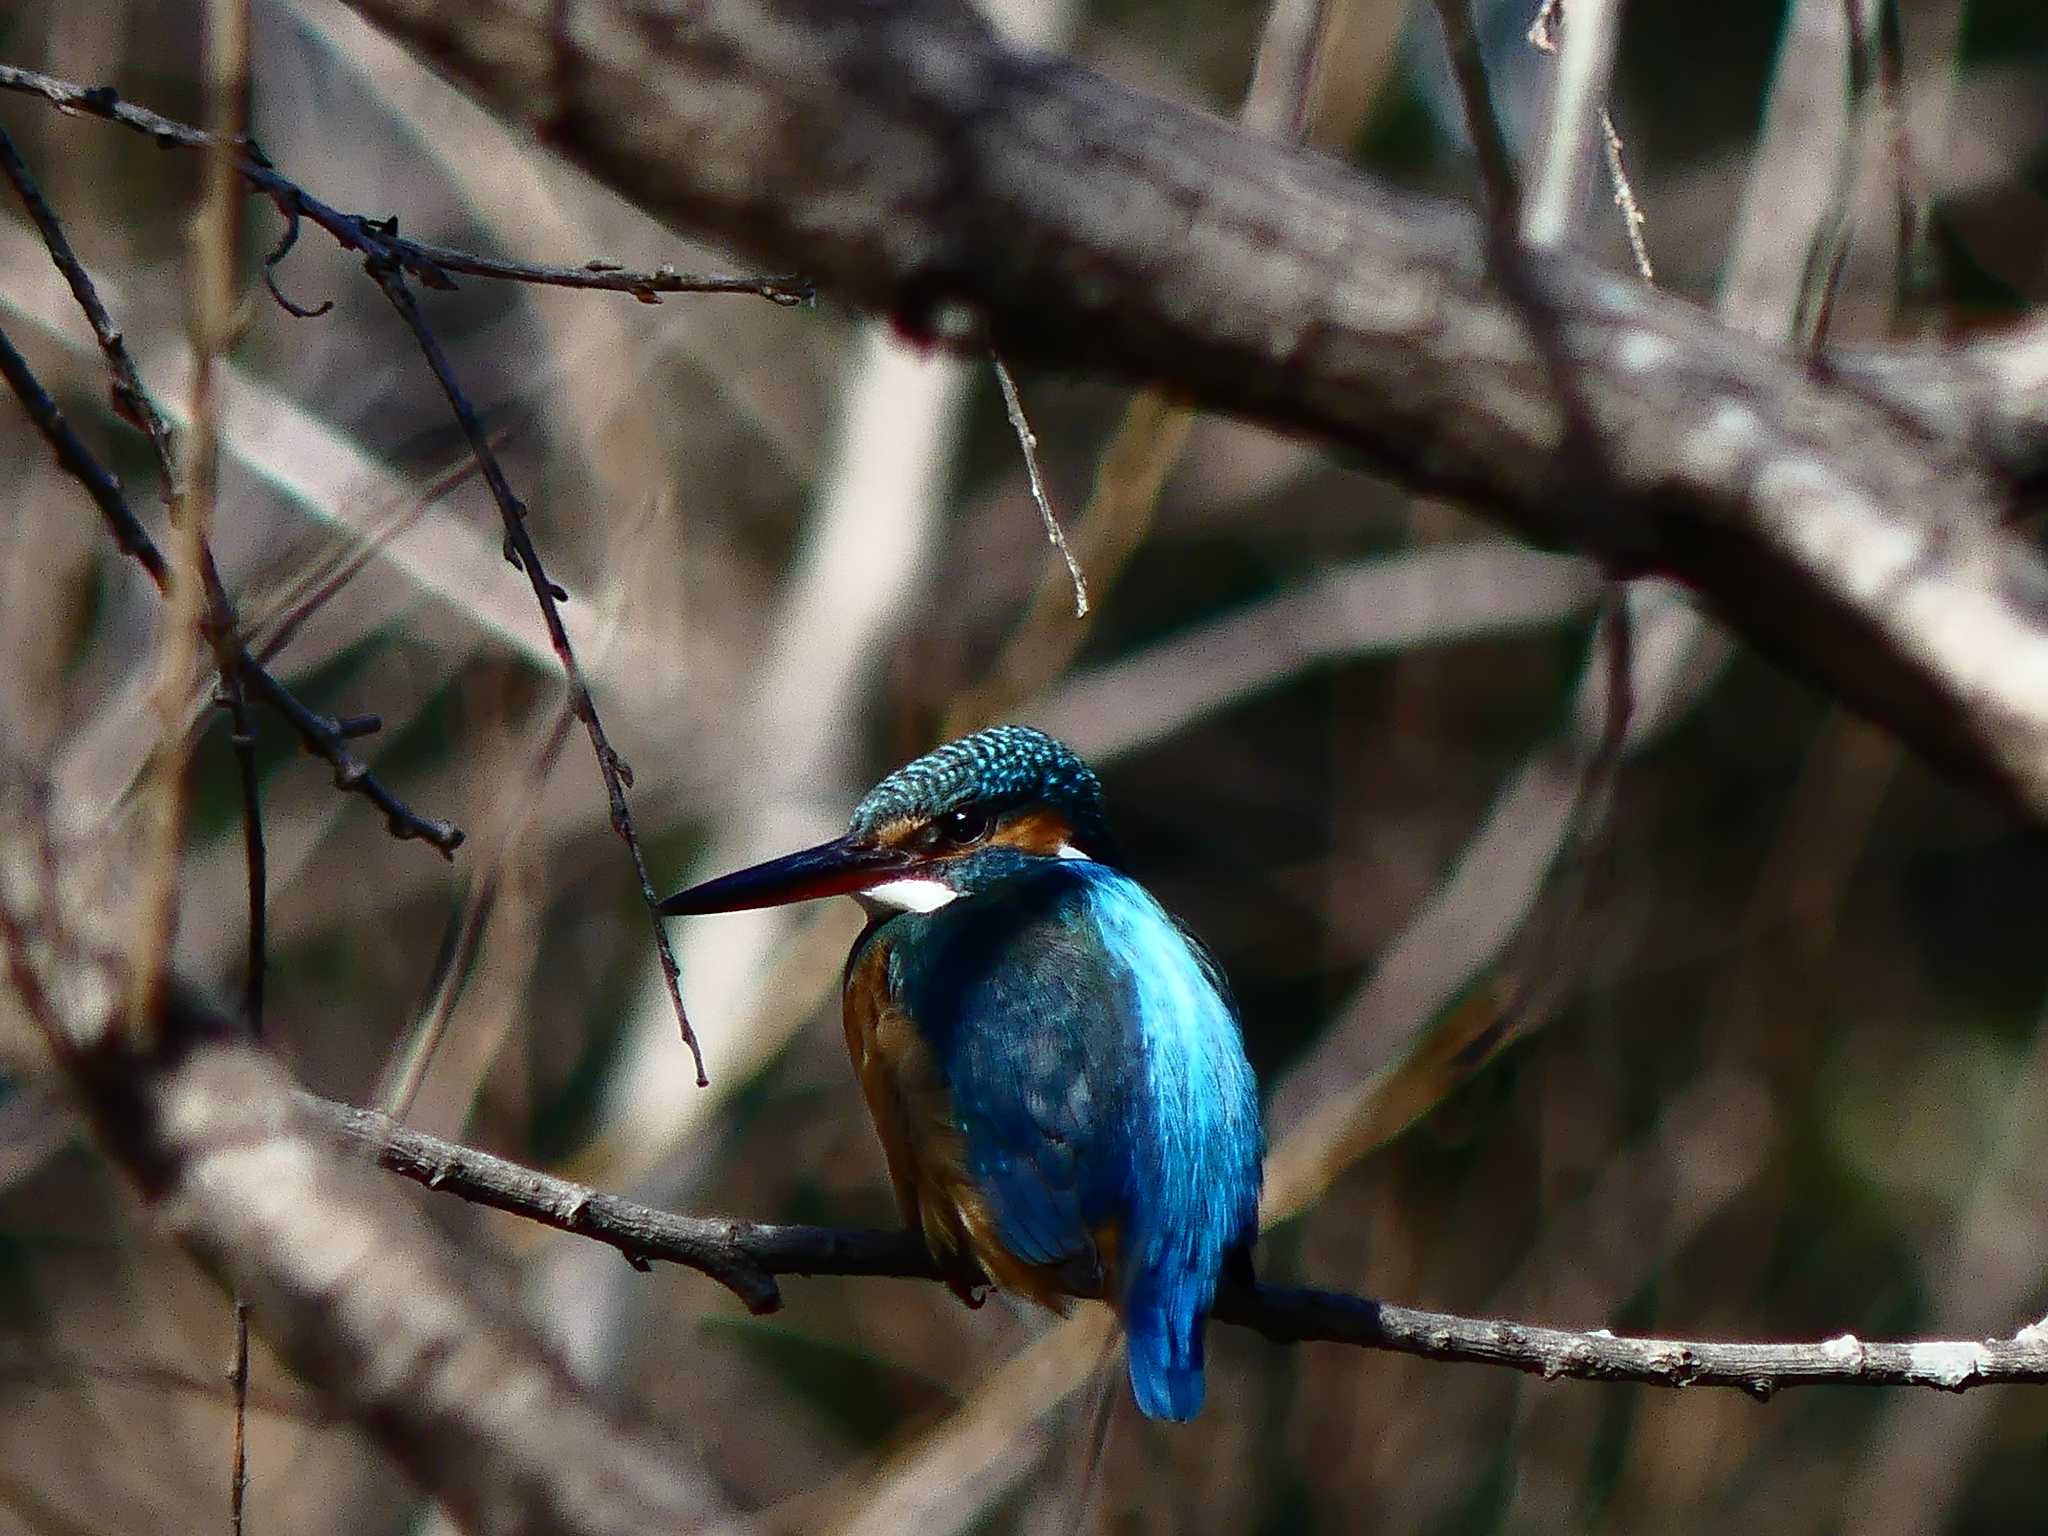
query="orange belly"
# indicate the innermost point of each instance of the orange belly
(927, 1152)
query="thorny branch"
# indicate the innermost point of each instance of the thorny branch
(747, 1257)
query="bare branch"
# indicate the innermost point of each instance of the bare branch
(389, 261)
(323, 735)
(746, 1257)
(1632, 217)
(525, 557)
(430, 264)
(238, 670)
(925, 170)
(1027, 443)
(358, 1293)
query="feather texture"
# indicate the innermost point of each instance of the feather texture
(1077, 1108)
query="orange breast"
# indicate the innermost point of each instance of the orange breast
(927, 1152)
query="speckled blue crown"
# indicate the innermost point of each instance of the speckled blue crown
(1005, 764)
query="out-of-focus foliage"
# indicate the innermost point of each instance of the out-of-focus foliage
(1795, 1082)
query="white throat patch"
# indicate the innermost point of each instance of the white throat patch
(907, 895)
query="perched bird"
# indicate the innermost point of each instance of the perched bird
(1053, 1066)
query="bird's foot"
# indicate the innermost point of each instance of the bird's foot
(964, 1278)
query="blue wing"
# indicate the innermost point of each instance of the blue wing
(1100, 1083)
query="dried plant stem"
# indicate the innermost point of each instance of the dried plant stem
(1632, 216)
(1027, 441)
(215, 267)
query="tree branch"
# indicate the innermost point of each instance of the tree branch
(917, 166)
(378, 239)
(747, 1257)
(323, 735)
(359, 1294)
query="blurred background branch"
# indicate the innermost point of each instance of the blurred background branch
(1715, 1016)
(367, 1302)
(1311, 299)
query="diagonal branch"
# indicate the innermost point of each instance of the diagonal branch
(323, 735)
(239, 672)
(525, 556)
(747, 1257)
(921, 168)
(361, 1296)
(378, 239)
(390, 261)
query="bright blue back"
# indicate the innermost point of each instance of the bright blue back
(1099, 1077)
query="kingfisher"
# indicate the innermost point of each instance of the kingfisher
(1052, 1063)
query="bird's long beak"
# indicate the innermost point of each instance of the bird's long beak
(838, 868)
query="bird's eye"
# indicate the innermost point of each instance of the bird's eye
(962, 828)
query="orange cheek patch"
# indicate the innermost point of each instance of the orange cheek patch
(1039, 832)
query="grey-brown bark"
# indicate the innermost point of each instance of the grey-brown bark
(1845, 514)
(747, 1256)
(356, 1290)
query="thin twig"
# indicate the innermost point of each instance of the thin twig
(1482, 127)
(747, 1257)
(323, 735)
(379, 239)
(1632, 217)
(1027, 440)
(1134, 466)
(214, 268)
(1513, 228)
(239, 672)
(76, 460)
(134, 405)
(787, 289)
(389, 260)
(238, 1384)
(1544, 35)
(521, 552)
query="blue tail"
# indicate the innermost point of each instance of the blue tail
(1164, 1331)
